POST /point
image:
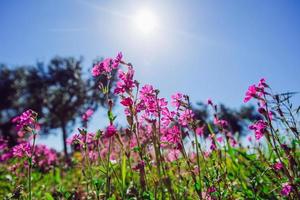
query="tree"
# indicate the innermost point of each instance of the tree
(237, 119)
(59, 92)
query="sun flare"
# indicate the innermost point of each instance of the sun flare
(145, 21)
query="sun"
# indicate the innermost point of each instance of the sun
(145, 21)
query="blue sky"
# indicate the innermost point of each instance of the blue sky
(202, 48)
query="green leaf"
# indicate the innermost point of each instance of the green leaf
(48, 196)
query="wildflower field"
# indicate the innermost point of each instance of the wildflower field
(163, 152)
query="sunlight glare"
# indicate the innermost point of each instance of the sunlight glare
(145, 21)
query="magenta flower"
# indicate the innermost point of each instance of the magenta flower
(167, 116)
(172, 136)
(254, 92)
(176, 99)
(286, 189)
(107, 65)
(220, 122)
(27, 118)
(210, 102)
(200, 131)
(278, 166)
(22, 150)
(259, 128)
(220, 139)
(127, 101)
(126, 82)
(110, 131)
(186, 117)
(86, 116)
(251, 92)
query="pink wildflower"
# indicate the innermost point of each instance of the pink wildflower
(87, 114)
(259, 127)
(286, 189)
(278, 166)
(254, 91)
(186, 117)
(176, 99)
(200, 131)
(251, 92)
(106, 66)
(220, 139)
(127, 101)
(210, 102)
(22, 150)
(110, 131)
(27, 118)
(126, 81)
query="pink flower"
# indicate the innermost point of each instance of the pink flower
(186, 117)
(211, 189)
(173, 155)
(209, 102)
(251, 92)
(87, 114)
(22, 150)
(171, 136)
(176, 99)
(278, 166)
(127, 101)
(220, 122)
(126, 82)
(110, 131)
(117, 60)
(259, 128)
(254, 91)
(200, 131)
(27, 118)
(146, 92)
(220, 139)
(286, 189)
(106, 66)
(167, 116)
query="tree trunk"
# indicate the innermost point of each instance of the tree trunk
(64, 134)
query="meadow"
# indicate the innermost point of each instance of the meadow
(163, 152)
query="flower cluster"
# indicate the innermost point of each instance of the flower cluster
(259, 128)
(256, 91)
(107, 65)
(26, 122)
(87, 115)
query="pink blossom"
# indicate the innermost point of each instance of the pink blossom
(87, 114)
(220, 122)
(259, 127)
(176, 99)
(106, 66)
(22, 150)
(278, 166)
(27, 118)
(173, 155)
(286, 189)
(210, 102)
(171, 136)
(126, 82)
(186, 117)
(200, 131)
(220, 139)
(127, 101)
(254, 91)
(251, 92)
(110, 131)
(167, 116)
